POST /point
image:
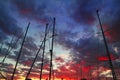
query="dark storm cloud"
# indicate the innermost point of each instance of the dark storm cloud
(110, 19)
(85, 11)
(32, 9)
(2, 36)
(116, 64)
(116, 47)
(25, 55)
(8, 25)
(64, 38)
(28, 51)
(8, 68)
(90, 47)
(3, 51)
(87, 48)
(30, 44)
(12, 45)
(112, 33)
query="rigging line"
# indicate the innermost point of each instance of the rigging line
(51, 51)
(3, 76)
(5, 55)
(43, 51)
(49, 43)
(9, 47)
(20, 51)
(16, 41)
(47, 31)
(2, 63)
(1, 47)
(49, 34)
(49, 38)
(34, 59)
(50, 24)
(107, 49)
(9, 52)
(12, 47)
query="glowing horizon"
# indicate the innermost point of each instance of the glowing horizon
(78, 51)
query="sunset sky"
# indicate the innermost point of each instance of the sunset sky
(79, 50)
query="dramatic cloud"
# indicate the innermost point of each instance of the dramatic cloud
(32, 9)
(78, 37)
(2, 36)
(7, 23)
(112, 33)
(85, 11)
(30, 44)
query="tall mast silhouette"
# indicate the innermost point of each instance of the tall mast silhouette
(34, 61)
(8, 50)
(43, 42)
(51, 50)
(107, 49)
(7, 54)
(20, 52)
(43, 52)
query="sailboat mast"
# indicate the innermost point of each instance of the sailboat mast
(36, 56)
(2, 63)
(107, 50)
(10, 49)
(43, 51)
(51, 51)
(7, 50)
(34, 61)
(20, 52)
